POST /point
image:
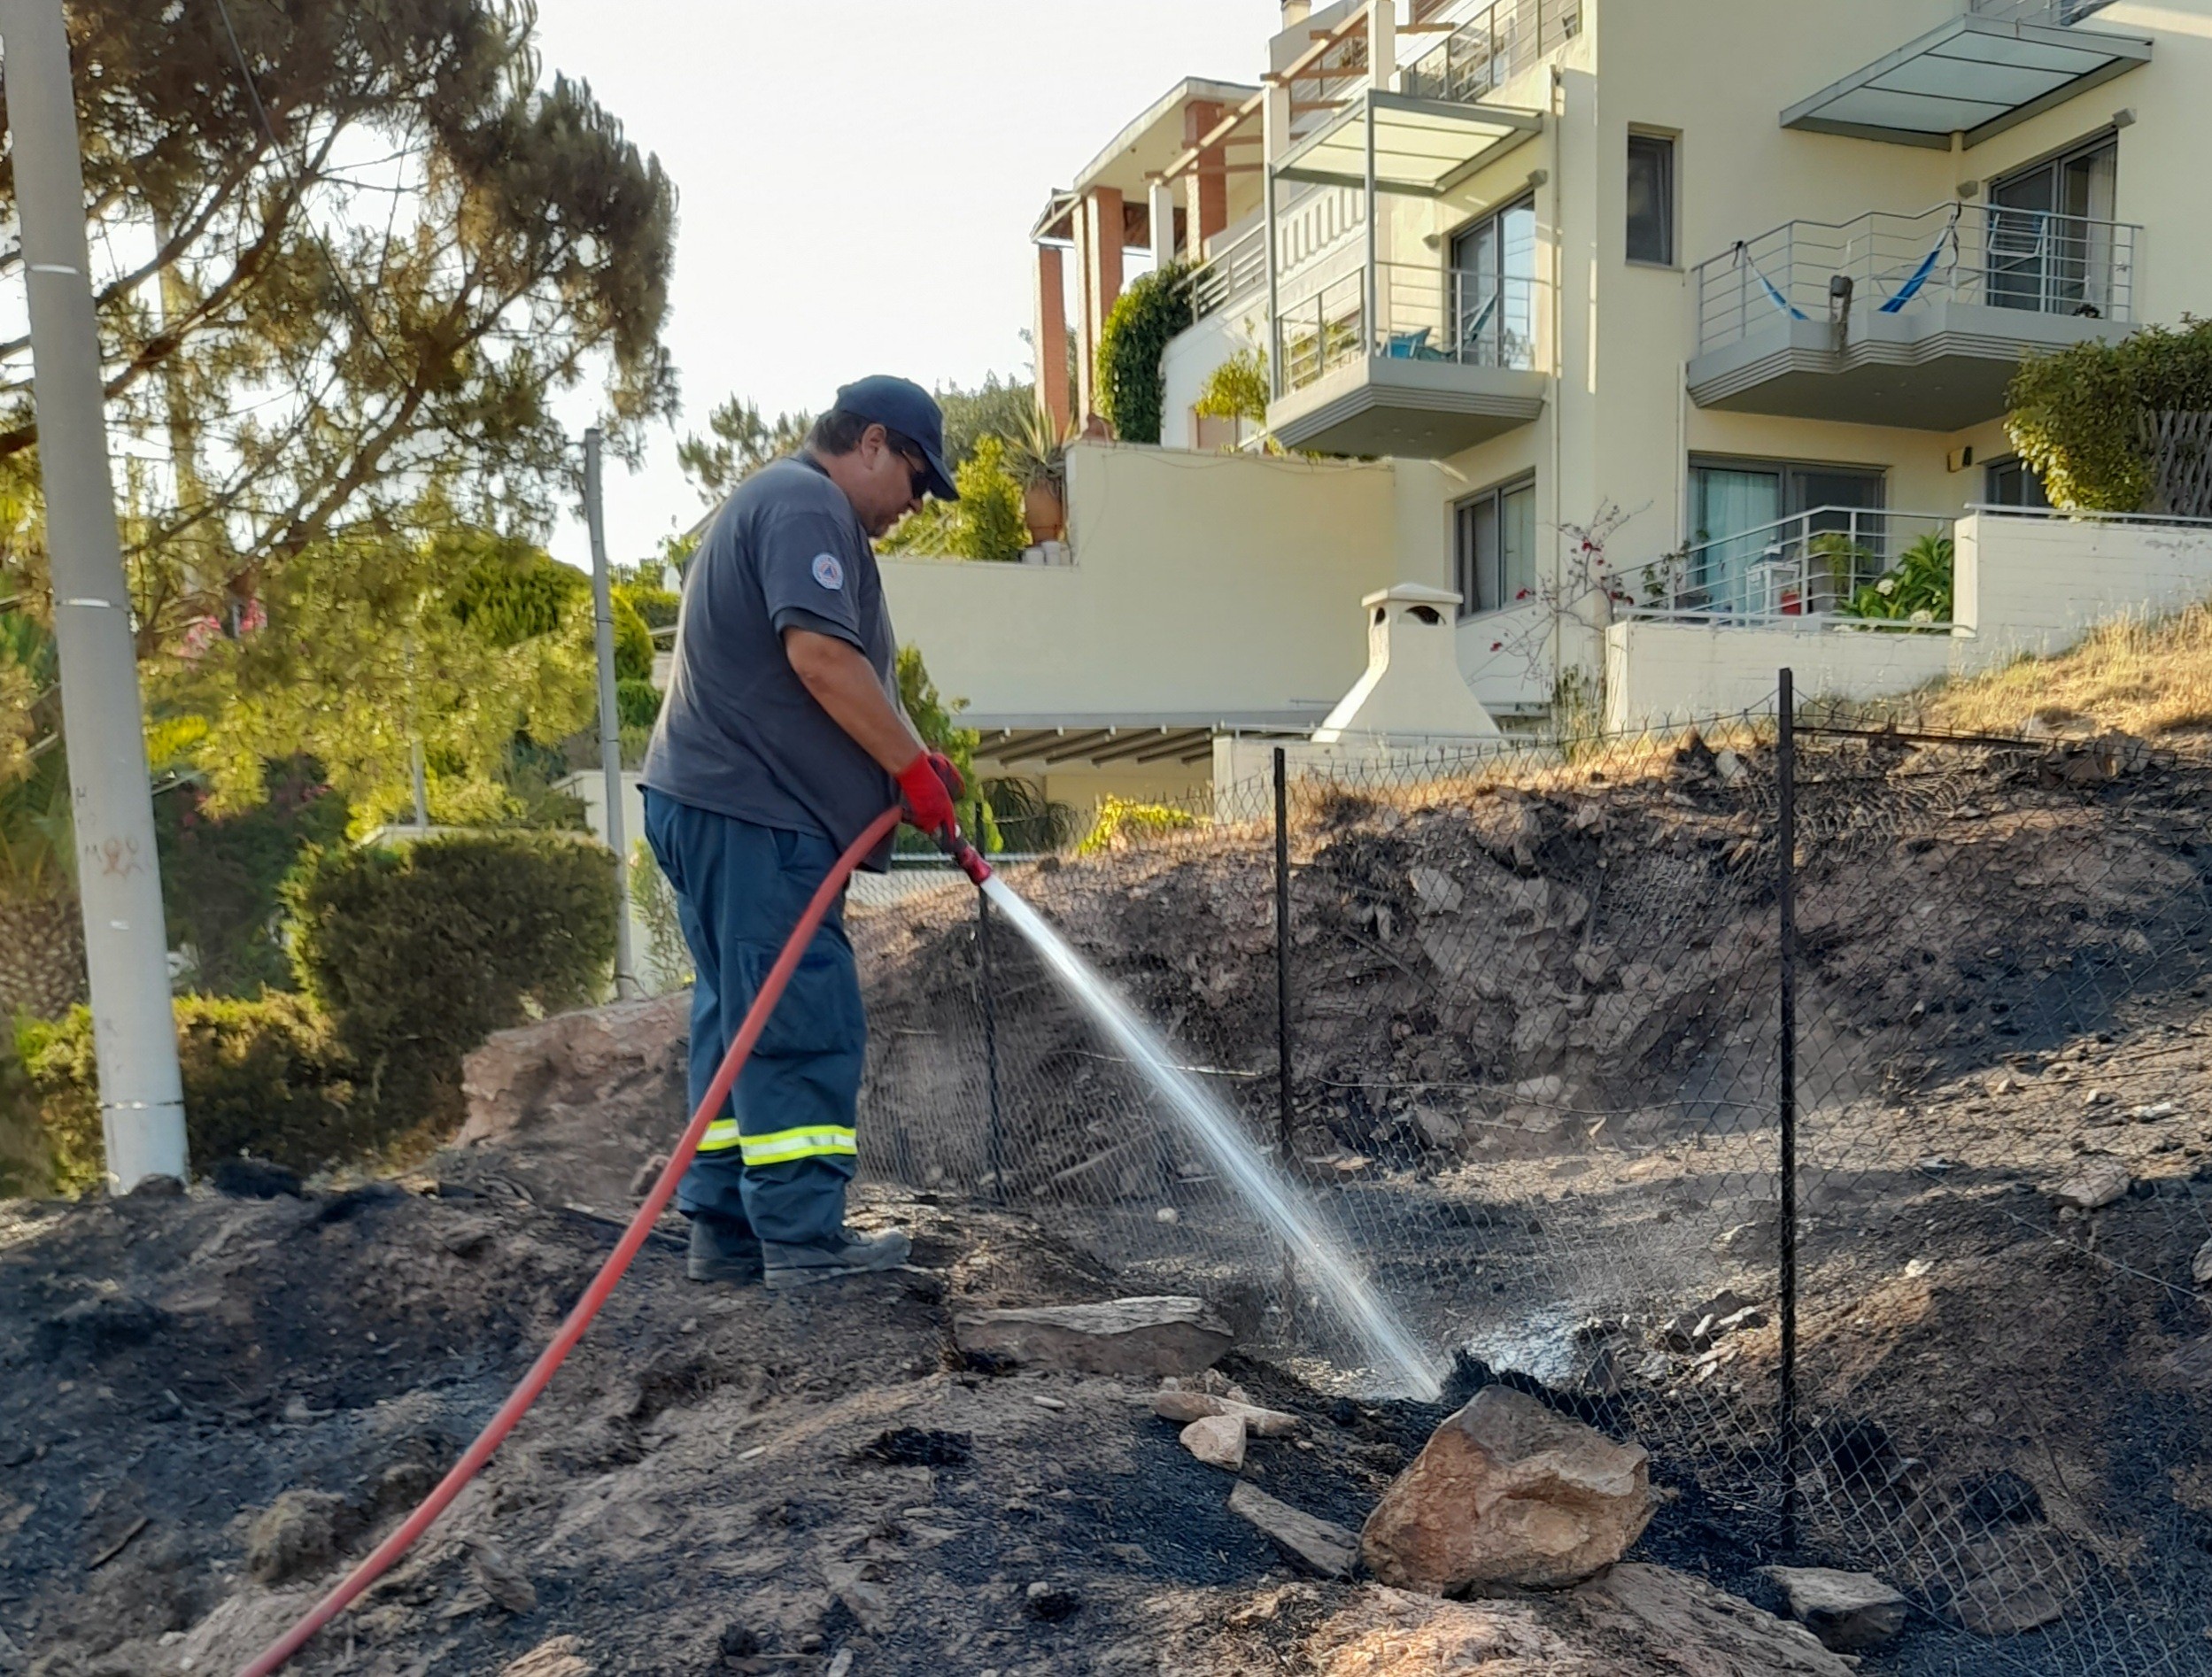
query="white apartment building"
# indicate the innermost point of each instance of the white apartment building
(1736, 286)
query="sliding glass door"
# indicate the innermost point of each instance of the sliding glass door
(2050, 233)
(1755, 524)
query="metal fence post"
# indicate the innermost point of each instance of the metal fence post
(1786, 918)
(987, 981)
(1283, 950)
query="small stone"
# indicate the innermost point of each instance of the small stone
(648, 1173)
(852, 1583)
(840, 1664)
(1143, 1338)
(1185, 1407)
(1050, 1603)
(295, 1534)
(556, 1656)
(2097, 1098)
(1917, 1267)
(1846, 1611)
(1167, 1214)
(1043, 1401)
(1325, 1548)
(2200, 1268)
(501, 1578)
(1216, 1440)
(1435, 891)
(2098, 1183)
(1435, 1129)
(2153, 1112)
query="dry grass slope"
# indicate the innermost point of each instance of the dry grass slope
(2145, 678)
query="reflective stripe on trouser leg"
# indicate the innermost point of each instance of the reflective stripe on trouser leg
(813, 1142)
(721, 1136)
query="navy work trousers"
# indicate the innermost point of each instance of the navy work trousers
(779, 1158)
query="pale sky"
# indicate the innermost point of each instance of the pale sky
(856, 180)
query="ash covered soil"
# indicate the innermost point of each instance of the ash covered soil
(1518, 1097)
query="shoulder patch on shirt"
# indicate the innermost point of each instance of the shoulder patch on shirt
(827, 571)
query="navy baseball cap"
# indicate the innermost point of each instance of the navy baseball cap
(904, 406)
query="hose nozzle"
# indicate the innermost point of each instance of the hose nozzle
(965, 856)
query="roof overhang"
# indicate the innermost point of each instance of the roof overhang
(1156, 138)
(1423, 147)
(1971, 76)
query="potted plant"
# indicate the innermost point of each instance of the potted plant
(1036, 455)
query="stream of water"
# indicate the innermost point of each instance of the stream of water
(1261, 1186)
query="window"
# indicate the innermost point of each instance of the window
(1492, 283)
(2051, 234)
(1494, 547)
(1652, 199)
(2013, 483)
(1746, 514)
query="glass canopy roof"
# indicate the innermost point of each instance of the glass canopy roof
(1973, 76)
(1422, 146)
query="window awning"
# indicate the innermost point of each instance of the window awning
(1974, 76)
(1423, 147)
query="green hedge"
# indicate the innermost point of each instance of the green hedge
(264, 1078)
(417, 954)
(1131, 388)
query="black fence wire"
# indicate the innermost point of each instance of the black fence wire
(1823, 1102)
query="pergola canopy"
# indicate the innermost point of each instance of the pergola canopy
(1423, 147)
(1974, 76)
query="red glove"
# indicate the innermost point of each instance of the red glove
(929, 784)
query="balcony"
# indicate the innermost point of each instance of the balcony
(1912, 321)
(1997, 64)
(1797, 572)
(1443, 359)
(1492, 47)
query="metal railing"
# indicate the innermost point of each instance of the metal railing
(1226, 280)
(1986, 254)
(1795, 572)
(1423, 314)
(2063, 14)
(1494, 45)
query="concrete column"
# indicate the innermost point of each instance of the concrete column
(1382, 44)
(1206, 188)
(1079, 220)
(1049, 336)
(119, 885)
(1101, 244)
(1161, 195)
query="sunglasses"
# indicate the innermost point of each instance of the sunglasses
(917, 472)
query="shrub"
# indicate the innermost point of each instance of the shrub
(633, 641)
(1122, 820)
(932, 716)
(987, 520)
(264, 1078)
(637, 703)
(1918, 590)
(1236, 390)
(221, 874)
(1132, 390)
(2077, 415)
(418, 954)
(507, 591)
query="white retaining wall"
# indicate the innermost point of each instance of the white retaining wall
(2021, 584)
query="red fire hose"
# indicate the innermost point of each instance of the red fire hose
(541, 1371)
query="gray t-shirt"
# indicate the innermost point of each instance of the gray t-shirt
(739, 734)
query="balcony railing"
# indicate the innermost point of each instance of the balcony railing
(2062, 13)
(1974, 253)
(1423, 314)
(1494, 45)
(1795, 572)
(1227, 279)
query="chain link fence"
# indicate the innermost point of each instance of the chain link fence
(1821, 1102)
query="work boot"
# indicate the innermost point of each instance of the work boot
(723, 1251)
(803, 1265)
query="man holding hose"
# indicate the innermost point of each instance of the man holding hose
(781, 738)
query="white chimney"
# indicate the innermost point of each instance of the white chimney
(1412, 689)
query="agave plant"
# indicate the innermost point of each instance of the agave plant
(1037, 451)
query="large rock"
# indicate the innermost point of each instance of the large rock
(1636, 1618)
(1507, 1492)
(1131, 1338)
(1846, 1611)
(2097, 1184)
(618, 1063)
(1316, 1544)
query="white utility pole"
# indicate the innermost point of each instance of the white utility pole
(610, 715)
(119, 884)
